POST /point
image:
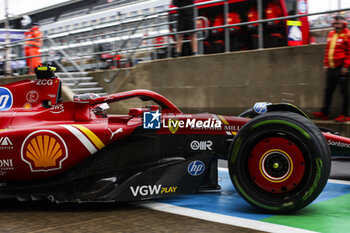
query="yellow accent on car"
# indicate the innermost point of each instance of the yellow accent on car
(93, 137)
(223, 119)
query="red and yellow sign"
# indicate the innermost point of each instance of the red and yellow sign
(44, 150)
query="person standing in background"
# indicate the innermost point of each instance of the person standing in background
(32, 47)
(336, 66)
(185, 22)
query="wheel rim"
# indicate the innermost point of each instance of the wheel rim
(276, 165)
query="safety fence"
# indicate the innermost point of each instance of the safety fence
(143, 37)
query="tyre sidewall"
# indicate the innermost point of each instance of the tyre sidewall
(314, 148)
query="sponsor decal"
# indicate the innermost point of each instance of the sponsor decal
(229, 129)
(180, 115)
(196, 168)
(57, 108)
(108, 98)
(149, 190)
(6, 99)
(120, 130)
(201, 145)
(32, 96)
(232, 127)
(260, 107)
(51, 95)
(151, 120)
(88, 138)
(340, 144)
(43, 151)
(5, 143)
(6, 165)
(44, 82)
(175, 124)
(167, 190)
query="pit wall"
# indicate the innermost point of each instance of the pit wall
(232, 82)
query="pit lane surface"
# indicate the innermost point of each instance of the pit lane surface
(204, 212)
(45, 217)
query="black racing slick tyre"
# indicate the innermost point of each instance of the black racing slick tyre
(279, 162)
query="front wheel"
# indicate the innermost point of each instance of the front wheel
(279, 161)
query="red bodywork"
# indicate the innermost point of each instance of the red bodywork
(37, 141)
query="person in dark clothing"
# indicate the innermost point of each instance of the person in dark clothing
(336, 65)
(186, 21)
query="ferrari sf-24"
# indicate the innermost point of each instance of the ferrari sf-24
(74, 151)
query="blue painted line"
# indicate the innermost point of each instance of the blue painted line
(332, 191)
(229, 202)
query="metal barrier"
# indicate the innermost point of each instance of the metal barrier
(129, 51)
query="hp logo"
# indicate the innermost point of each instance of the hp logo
(260, 107)
(6, 99)
(196, 168)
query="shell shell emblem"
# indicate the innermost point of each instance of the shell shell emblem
(44, 150)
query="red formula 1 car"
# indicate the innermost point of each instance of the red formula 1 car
(74, 151)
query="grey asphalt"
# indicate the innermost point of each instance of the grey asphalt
(40, 216)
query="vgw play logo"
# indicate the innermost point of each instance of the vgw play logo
(151, 120)
(6, 99)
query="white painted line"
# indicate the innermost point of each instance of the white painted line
(346, 182)
(220, 218)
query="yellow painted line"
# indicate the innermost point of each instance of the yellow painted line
(98, 143)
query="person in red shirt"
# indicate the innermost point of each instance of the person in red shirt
(336, 65)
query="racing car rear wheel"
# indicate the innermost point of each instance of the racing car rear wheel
(279, 161)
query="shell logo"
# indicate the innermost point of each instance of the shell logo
(43, 151)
